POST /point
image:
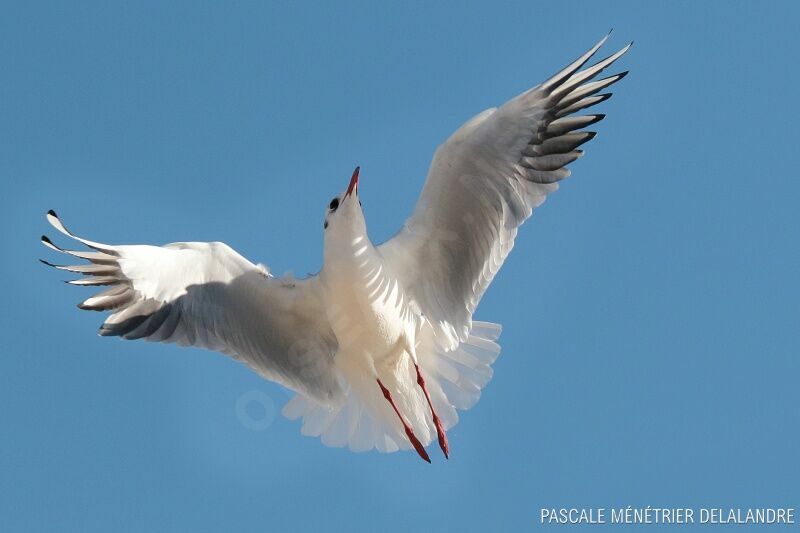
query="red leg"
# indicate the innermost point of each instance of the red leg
(409, 432)
(443, 444)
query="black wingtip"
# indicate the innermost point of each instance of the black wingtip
(46, 263)
(52, 213)
(622, 74)
(597, 117)
(46, 239)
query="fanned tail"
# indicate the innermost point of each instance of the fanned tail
(454, 379)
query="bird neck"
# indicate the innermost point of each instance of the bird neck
(346, 240)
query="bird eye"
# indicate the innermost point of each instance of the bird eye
(334, 204)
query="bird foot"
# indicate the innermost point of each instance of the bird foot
(443, 444)
(440, 432)
(417, 444)
(409, 432)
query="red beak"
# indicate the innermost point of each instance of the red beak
(353, 183)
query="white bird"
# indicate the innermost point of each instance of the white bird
(379, 346)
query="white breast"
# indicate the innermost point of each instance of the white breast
(367, 307)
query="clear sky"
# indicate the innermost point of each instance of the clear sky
(650, 350)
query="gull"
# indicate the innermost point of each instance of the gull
(380, 346)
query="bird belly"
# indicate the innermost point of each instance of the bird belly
(368, 312)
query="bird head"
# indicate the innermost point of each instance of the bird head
(344, 215)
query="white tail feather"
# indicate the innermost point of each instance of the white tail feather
(454, 380)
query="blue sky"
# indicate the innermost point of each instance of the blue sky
(650, 307)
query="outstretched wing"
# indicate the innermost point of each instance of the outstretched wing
(207, 295)
(483, 183)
